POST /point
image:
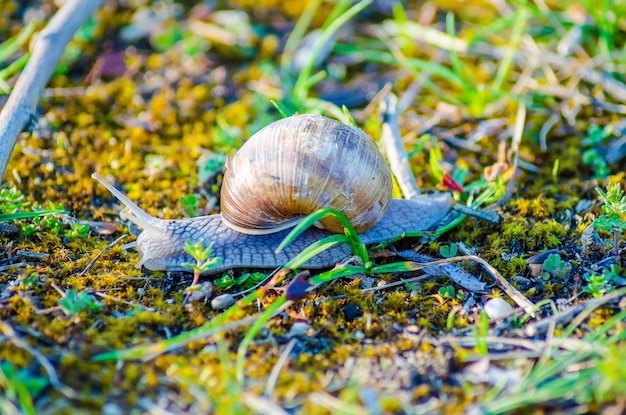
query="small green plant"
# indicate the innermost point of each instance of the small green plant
(555, 266)
(202, 255)
(74, 301)
(211, 165)
(29, 229)
(245, 280)
(449, 251)
(480, 331)
(225, 282)
(12, 201)
(447, 292)
(19, 387)
(30, 280)
(52, 224)
(251, 278)
(613, 218)
(450, 293)
(190, 205)
(591, 155)
(600, 284)
(78, 231)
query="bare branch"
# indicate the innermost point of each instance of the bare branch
(49, 47)
(392, 142)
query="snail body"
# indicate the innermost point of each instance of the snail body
(247, 233)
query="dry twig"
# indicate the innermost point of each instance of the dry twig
(20, 107)
(392, 141)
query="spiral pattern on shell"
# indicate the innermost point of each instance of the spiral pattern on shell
(300, 164)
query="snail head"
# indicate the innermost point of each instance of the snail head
(162, 241)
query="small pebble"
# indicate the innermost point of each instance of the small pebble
(535, 269)
(352, 311)
(222, 301)
(299, 328)
(412, 328)
(368, 282)
(111, 409)
(497, 308)
(200, 293)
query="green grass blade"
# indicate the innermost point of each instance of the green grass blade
(252, 332)
(314, 249)
(5, 217)
(15, 66)
(397, 267)
(309, 221)
(296, 36)
(340, 7)
(10, 46)
(507, 61)
(282, 110)
(333, 274)
(454, 56)
(311, 81)
(300, 90)
(348, 119)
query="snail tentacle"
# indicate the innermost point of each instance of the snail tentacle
(138, 216)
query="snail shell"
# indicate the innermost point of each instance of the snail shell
(300, 164)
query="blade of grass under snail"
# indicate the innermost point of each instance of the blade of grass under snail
(351, 236)
(314, 249)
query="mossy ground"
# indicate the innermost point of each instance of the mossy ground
(144, 112)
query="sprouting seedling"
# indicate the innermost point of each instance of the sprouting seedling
(449, 251)
(202, 255)
(12, 201)
(613, 218)
(600, 284)
(74, 301)
(591, 155)
(555, 266)
(190, 205)
(78, 230)
(349, 237)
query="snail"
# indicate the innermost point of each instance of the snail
(309, 158)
